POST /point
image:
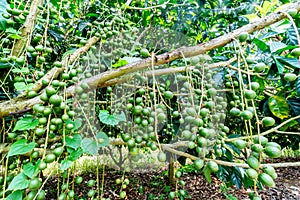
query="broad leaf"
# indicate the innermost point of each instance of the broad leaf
(120, 63)
(291, 62)
(26, 123)
(279, 66)
(16, 195)
(20, 147)
(21, 86)
(279, 107)
(112, 120)
(268, 35)
(73, 141)
(65, 164)
(29, 170)
(103, 139)
(276, 46)
(75, 154)
(3, 5)
(261, 45)
(19, 182)
(294, 103)
(291, 37)
(89, 146)
(236, 177)
(207, 173)
(4, 65)
(298, 86)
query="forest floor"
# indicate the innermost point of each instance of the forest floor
(150, 185)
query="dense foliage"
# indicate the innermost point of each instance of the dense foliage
(224, 111)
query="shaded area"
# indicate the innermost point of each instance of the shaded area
(155, 185)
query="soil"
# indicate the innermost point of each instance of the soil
(147, 185)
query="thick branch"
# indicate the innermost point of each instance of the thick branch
(28, 26)
(11, 107)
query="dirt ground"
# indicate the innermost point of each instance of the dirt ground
(146, 185)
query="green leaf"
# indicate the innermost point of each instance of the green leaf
(103, 139)
(29, 170)
(19, 182)
(16, 195)
(77, 123)
(279, 107)
(26, 123)
(20, 86)
(68, 53)
(22, 70)
(75, 154)
(207, 173)
(236, 177)
(3, 5)
(277, 46)
(73, 141)
(89, 146)
(4, 65)
(280, 67)
(261, 45)
(20, 147)
(292, 62)
(65, 164)
(120, 63)
(121, 117)
(12, 31)
(112, 120)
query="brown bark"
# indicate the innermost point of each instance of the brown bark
(17, 106)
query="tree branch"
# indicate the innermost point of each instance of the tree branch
(10, 107)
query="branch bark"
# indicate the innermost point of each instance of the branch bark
(15, 106)
(28, 26)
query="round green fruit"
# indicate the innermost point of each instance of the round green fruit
(178, 174)
(122, 195)
(145, 53)
(273, 144)
(254, 85)
(268, 121)
(271, 171)
(78, 180)
(235, 111)
(34, 184)
(55, 100)
(259, 67)
(42, 165)
(260, 139)
(250, 94)
(168, 94)
(293, 12)
(91, 183)
(296, 52)
(252, 173)
(213, 166)
(272, 152)
(172, 195)
(253, 162)
(58, 151)
(199, 163)
(161, 156)
(240, 144)
(50, 158)
(243, 36)
(246, 115)
(266, 180)
(258, 148)
(290, 77)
